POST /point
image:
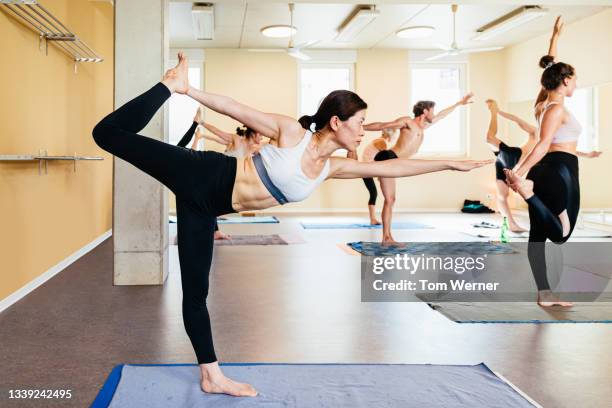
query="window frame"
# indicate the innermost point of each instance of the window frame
(463, 113)
(337, 65)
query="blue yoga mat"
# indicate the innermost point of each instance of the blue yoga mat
(440, 248)
(239, 220)
(314, 385)
(395, 225)
(248, 220)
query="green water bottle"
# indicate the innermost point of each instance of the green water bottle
(504, 231)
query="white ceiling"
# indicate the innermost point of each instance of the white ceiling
(237, 24)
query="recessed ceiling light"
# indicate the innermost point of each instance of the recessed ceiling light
(278, 31)
(415, 32)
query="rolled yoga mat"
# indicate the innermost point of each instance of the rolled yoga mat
(523, 312)
(440, 248)
(314, 385)
(340, 225)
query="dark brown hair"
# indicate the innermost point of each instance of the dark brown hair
(554, 72)
(343, 104)
(245, 131)
(419, 108)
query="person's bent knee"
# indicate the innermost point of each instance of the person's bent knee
(101, 133)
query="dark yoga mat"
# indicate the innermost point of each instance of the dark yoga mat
(314, 385)
(440, 248)
(348, 225)
(523, 312)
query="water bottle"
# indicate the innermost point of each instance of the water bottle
(504, 231)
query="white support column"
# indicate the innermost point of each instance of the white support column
(140, 203)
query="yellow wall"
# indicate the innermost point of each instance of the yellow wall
(585, 44)
(45, 105)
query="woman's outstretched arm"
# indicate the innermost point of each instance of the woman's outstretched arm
(345, 168)
(527, 127)
(227, 137)
(269, 124)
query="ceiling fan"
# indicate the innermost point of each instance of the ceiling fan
(454, 49)
(293, 50)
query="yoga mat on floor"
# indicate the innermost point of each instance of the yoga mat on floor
(523, 312)
(314, 385)
(248, 220)
(577, 233)
(239, 220)
(274, 239)
(442, 248)
(340, 225)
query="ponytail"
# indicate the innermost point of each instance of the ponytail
(306, 121)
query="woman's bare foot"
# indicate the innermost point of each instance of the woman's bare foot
(215, 382)
(492, 106)
(547, 299)
(374, 221)
(220, 235)
(514, 227)
(388, 240)
(177, 78)
(199, 116)
(522, 186)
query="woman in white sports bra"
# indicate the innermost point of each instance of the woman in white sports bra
(208, 184)
(547, 177)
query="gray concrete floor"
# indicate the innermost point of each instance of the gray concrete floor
(295, 303)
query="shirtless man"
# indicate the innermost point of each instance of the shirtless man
(383, 142)
(412, 132)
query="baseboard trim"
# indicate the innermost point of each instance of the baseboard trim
(30, 286)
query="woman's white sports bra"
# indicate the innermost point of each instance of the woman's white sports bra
(567, 132)
(284, 168)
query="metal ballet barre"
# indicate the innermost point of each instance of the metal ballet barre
(42, 158)
(51, 29)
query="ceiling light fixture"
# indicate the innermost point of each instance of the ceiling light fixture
(356, 22)
(278, 31)
(509, 21)
(415, 32)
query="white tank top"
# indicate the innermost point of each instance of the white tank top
(284, 167)
(567, 132)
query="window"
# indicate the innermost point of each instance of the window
(583, 106)
(445, 85)
(182, 108)
(316, 81)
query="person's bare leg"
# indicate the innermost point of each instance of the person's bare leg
(372, 211)
(503, 192)
(546, 298)
(492, 139)
(212, 378)
(387, 185)
(215, 382)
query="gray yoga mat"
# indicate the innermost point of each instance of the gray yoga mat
(273, 239)
(523, 312)
(495, 233)
(322, 385)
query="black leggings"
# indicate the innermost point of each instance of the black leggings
(371, 186)
(556, 188)
(184, 142)
(203, 184)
